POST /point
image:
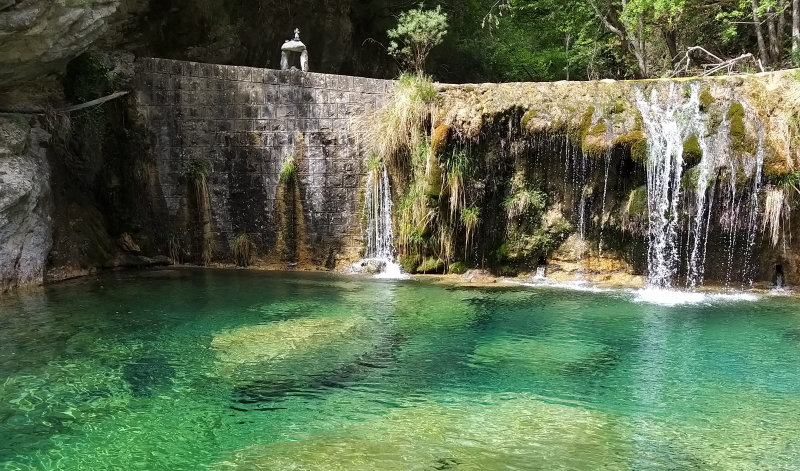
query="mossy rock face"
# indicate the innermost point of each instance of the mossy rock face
(637, 202)
(740, 141)
(692, 153)
(439, 139)
(431, 266)
(579, 128)
(409, 262)
(526, 118)
(636, 141)
(690, 179)
(596, 142)
(706, 100)
(776, 166)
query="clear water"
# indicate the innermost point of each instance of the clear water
(243, 370)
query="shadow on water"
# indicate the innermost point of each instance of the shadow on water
(147, 375)
(265, 395)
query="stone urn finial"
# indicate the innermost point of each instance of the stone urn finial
(291, 47)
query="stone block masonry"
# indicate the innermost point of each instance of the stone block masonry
(245, 122)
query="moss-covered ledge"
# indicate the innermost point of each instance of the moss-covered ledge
(599, 115)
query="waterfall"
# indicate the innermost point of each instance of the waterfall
(669, 122)
(378, 214)
(672, 121)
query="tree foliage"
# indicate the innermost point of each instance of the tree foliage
(417, 32)
(542, 40)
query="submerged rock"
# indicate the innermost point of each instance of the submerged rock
(290, 349)
(535, 355)
(512, 430)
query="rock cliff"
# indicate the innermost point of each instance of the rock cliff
(25, 204)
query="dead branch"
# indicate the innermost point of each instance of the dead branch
(715, 65)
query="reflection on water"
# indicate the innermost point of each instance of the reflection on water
(201, 369)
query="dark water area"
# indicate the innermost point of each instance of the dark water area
(184, 369)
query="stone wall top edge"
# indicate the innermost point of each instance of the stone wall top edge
(165, 64)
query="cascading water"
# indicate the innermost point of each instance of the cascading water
(378, 212)
(670, 122)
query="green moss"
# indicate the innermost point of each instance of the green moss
(636, 141)
(458, 268)
(526, 118)
(599, 128)
(637, 202)
(431, 265)
(578, 130)
(735, 110)
(776, 167)
(740, 141)
(409, 262)
(594, 143)
(439, 139)
(691, 179)
(706, 100)
(692, 153)
(619, 107)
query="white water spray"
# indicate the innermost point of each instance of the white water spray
(669, 122)
(378, 212)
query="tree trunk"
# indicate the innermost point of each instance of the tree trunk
(774, 41)
(638, 48)
(795, 26)
(670, 37)
(628, 40)
(762, 46)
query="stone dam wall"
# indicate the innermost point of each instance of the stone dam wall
(245, 123)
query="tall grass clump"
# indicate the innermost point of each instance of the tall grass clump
(196, 175)
(471, 218)
(522, 202)
(399, 126)
(288, 171)
(457, 172)
(241, 246)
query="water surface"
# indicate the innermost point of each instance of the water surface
(241, 370)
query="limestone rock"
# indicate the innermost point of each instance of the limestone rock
(25, 204)
(38, 37)
(281, 350)
(126, 243)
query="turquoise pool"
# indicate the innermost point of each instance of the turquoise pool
(186, 369)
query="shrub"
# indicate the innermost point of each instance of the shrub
(458, 268)
(417, 32)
